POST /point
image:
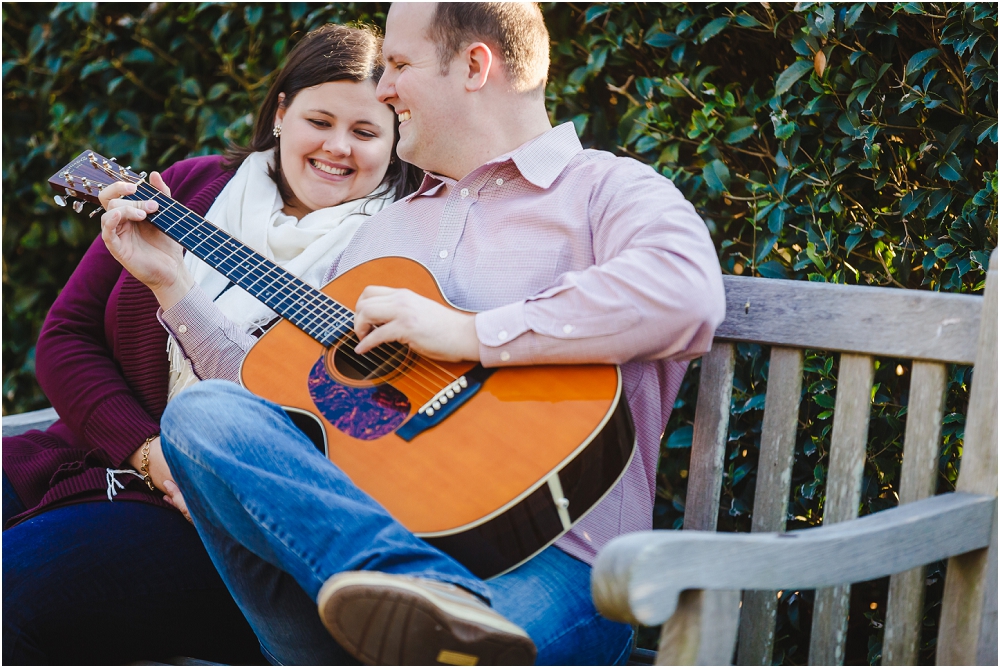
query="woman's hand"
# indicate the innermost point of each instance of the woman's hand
(146, 252)
(160, 473)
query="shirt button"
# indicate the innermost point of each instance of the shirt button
(499, 182)
(502, 335)
(505, 356)
(182, 329)
(443, 254)
(465, 192)
(567, 329)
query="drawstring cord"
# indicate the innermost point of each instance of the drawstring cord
(112, 481)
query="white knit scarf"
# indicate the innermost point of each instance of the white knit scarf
(249, 208)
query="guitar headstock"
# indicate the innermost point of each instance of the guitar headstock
(86, 176)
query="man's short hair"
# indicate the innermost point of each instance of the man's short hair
(515, 29)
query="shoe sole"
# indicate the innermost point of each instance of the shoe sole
(382, 620)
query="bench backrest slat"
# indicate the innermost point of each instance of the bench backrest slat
(917, 480)
(913, 324)
(848, 444)
(708, 442)
(968, 633)
(774, 479)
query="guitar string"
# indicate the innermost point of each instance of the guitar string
(314, 299)
(320, 320)
(325, 326)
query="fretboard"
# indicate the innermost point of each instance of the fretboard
(313, 312)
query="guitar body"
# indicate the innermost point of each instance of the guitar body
(502, 477)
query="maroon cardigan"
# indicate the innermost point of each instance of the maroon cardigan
(101, 360)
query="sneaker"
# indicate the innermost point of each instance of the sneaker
(384, 619)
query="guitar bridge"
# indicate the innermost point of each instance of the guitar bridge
(444, 403)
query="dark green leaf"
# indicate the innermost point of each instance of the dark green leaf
(795, 71)
(716, 176)
(712, 29)
(680, 438)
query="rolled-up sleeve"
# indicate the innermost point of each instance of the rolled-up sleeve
(655, 290)
(213, 344)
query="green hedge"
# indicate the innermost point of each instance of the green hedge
(843, 142)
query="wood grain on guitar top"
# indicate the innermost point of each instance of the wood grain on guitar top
(503, 441)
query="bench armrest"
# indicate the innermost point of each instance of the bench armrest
(22, 422)
(639, 577)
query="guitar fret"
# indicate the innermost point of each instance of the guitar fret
(312, 311)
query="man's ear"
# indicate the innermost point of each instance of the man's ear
(479, 60)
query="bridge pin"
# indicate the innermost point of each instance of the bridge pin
(450, 393)
(429, 412)
(436, 405)
(463, 382)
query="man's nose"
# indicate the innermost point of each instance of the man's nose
(386, 89)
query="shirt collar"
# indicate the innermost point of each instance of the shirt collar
(540, 160)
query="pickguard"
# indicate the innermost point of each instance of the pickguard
(366, 413)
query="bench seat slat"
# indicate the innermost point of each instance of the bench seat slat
(848, 442)
(918, 479)
(770, 506)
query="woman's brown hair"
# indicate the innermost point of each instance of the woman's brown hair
(329, 53)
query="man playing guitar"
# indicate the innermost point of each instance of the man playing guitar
(566, 256)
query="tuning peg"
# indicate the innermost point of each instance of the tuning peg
(142, 175)
(96, 211)
(78, 206)
(60, 200)
(71, 193)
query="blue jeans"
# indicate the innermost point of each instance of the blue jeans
(111, 583)
(279, 519)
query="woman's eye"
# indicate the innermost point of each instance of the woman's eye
(319, 123)
(364, 134)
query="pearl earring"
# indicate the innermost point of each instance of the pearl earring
(276, 131)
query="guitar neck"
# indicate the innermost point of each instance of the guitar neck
(313, 312)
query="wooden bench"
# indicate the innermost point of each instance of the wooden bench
(691, 581)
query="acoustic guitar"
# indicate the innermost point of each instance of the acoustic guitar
(489, 465)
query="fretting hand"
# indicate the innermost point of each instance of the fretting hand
(435, 331)
(146, 252)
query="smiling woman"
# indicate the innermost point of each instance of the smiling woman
(90, 581)
(335, 142)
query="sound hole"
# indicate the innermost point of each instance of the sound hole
(379, 363)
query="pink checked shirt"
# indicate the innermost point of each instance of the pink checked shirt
(568, 256)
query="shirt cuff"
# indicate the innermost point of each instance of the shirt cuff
(192, 320)
(496, 329)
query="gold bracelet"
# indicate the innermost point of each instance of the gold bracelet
(144, 466)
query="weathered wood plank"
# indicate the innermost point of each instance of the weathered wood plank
(918, 479)
(843, 493)
(22, 422)
(703, 630)
(639, 577)
(770, 504)
(915, 324)
(967, 606)
(708, 443)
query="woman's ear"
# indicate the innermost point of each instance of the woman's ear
(279, 115)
